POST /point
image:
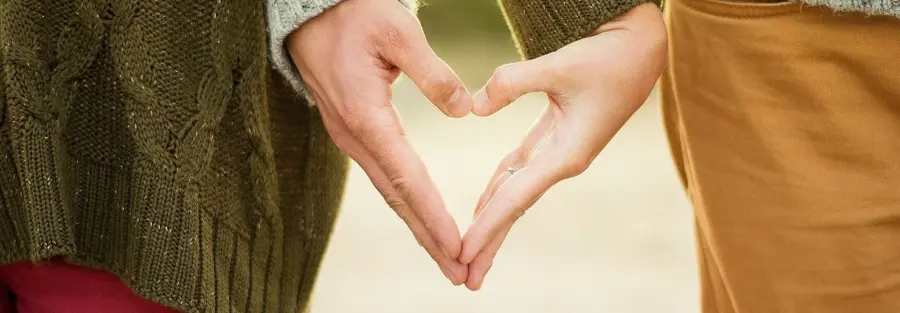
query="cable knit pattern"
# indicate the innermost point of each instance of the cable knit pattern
(284, 17)
(154, 140)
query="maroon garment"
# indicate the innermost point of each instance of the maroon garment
(58, 287)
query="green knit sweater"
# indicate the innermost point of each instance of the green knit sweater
(155, 140)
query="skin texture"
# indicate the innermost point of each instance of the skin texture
(358, 49)
(593, 86)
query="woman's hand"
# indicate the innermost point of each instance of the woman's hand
(593, 85)
(349, 56)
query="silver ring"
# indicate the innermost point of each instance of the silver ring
(511, 170)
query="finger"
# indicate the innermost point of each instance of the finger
(407, 177)
(517, 194)
(514, 80)
(450, 267)
(438, 82)
(375, 123)
(500, 175)
(455, 271)
(533, 143)
(484, 260)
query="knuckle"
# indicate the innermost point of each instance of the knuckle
(356, 125)
(371, 122)
(403, 211)
(393, 34)
(577, 165)
(426, 219)
(441, 87)
(501, 83)
(360, 125)
(399, 206)
(404, 190)
(401, 186)
(502, 76)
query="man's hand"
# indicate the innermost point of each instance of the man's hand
(349, 56)
(594, 85)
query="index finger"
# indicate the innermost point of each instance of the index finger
(408, 177)
(519, 192)
(452, 268)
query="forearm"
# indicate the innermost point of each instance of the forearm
(543, 26)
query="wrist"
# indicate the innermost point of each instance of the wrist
(645, 17)
(643, 28)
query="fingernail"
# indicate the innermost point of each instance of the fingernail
(458, 105)
(481, 101)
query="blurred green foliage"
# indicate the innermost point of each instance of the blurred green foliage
(456, 19)
(470, 35)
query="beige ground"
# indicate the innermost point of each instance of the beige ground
(616, 239)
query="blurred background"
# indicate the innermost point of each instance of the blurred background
(618, 238)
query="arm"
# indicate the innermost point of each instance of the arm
(285, 16)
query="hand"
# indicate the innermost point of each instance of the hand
(349, 56)
(594, 85)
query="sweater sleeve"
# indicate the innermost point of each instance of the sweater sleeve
(540, 27)
(284, 16)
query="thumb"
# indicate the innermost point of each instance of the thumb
(430, 73)
(512, 81)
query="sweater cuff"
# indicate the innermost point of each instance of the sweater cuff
(284, 16)
(540, 27)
